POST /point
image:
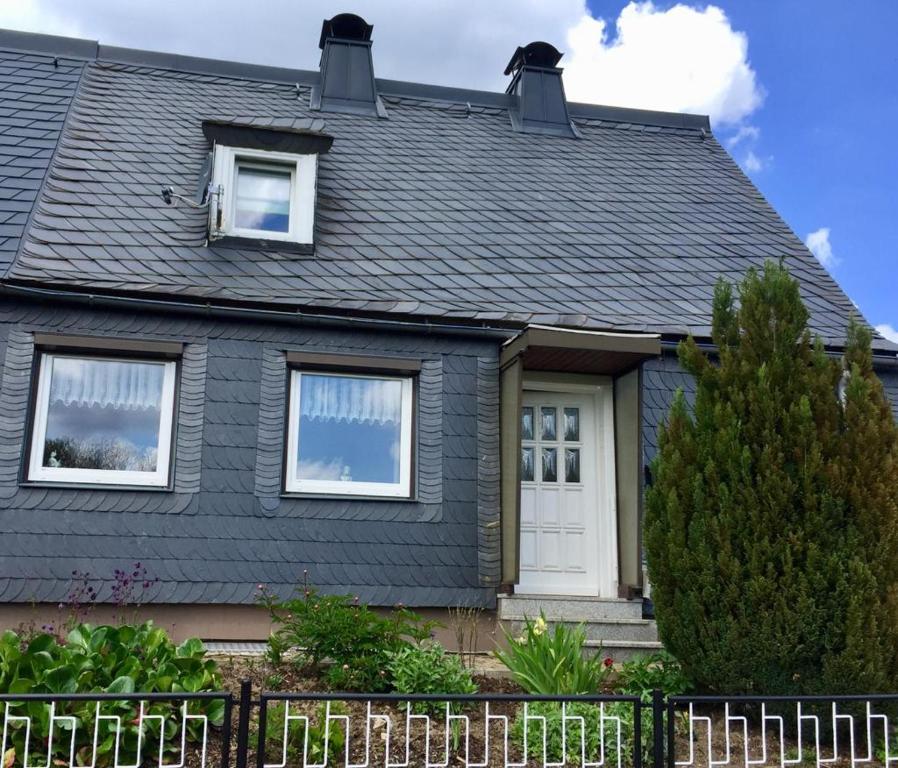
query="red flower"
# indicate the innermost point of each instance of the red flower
(607, 662)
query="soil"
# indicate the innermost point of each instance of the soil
(459, 748)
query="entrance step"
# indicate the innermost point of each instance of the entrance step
(567, 608)
(623, 650)
(614, 627)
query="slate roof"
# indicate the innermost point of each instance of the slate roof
(441, 211)
(35, 93)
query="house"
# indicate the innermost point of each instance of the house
(413, 340)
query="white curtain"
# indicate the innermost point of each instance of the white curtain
(123, 385)
(339, 398)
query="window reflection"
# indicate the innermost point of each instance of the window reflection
(263, 199)
(103, 414)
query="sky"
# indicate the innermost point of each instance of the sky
(802, 92)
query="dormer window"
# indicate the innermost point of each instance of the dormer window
(263, 178)
(263, 195)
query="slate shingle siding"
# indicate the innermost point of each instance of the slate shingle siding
(225, 529)
(662, 377)
(438, 211)
(35, 95)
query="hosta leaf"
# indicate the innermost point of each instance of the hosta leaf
(121, 684)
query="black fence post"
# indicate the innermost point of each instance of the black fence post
(226, 731)
(658, 728)
(243, 712)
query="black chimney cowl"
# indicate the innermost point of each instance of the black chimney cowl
(539, 104)
(347, 70)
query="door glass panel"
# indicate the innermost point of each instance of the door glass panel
(527, 464)
(572, 465)
(572, 424)
(527, 423)
(550, 465)
(547, 430)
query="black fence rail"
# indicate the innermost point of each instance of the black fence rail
(116, 730)
(355, 730)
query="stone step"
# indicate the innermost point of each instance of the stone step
(603, 630)
(567, 608)
(623, 650)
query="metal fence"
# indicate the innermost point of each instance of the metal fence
(352, 730)
(783, 731)
(119, 730)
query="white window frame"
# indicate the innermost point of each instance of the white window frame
(39, 473)
(402, 489)
(303, 175)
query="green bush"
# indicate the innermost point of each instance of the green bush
(121, 659)
(772, 519)
(551, 661)
(346, 642)
(642, 675)
(427, 668)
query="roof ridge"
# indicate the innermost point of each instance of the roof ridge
(92, 50)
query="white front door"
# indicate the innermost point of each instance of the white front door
(568, 526)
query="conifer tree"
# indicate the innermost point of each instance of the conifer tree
(772, 519)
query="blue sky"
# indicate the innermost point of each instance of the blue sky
(828, 126)
(802, 92)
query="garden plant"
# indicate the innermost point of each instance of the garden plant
(772, 516)
(113, 659)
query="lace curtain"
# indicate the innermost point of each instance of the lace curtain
(339, 398)
(106, 383)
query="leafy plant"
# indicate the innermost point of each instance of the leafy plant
(326, 736)
(120, 659)
(772, 519)
(644, 674)
(551, 661)
(574, 731)
(346, 641)
(427, 668)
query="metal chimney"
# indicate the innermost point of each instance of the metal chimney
(539, 105)
(347, 71)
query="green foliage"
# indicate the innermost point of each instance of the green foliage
(120, 659)
(551, 661)
(347, 642)
(646, 673)
(600, 734)
(772, 520)
(326, 737)
(427, 668)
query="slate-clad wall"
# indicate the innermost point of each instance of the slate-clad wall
(225, 528)
(663, 376)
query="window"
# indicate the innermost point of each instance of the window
(102, 420)
(263, 195)
(349, 434)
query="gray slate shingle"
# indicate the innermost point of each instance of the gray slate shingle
(35, 95)
(434, 212)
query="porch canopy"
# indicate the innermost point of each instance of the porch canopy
(576, 354)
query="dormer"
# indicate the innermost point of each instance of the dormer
(263, 178)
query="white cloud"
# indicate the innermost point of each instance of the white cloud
(745, 134)
(752, 163)
(818, 243)
(679, 58)
(888, 332)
